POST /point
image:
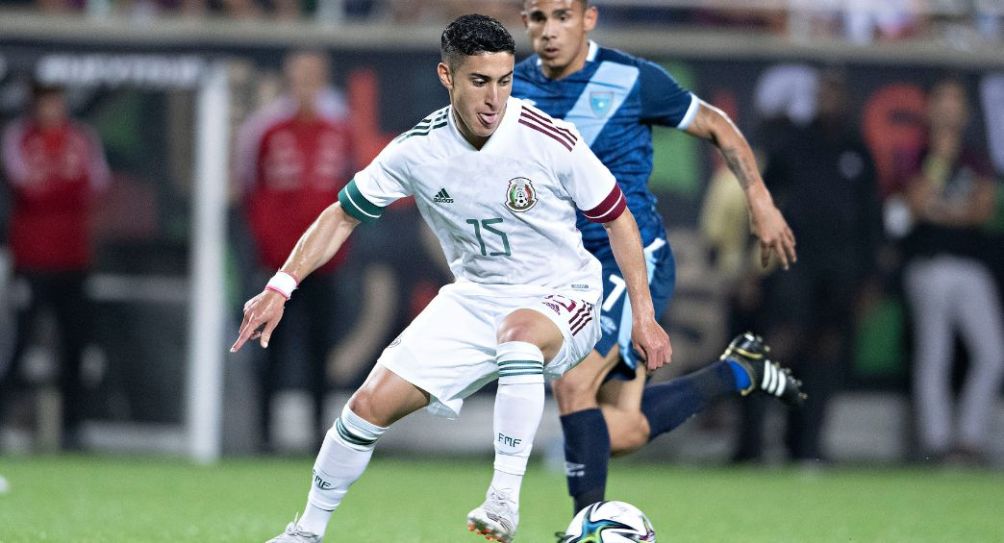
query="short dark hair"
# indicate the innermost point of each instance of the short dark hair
(40, 89)
(585, 3)
(471, 35)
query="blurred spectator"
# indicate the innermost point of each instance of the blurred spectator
(824, 181)
(253, 9)
(763, 19)
(857, 21)
(346, 10)
(989, 21)
(646, 14)
(785, 93)
(949, 286)
(54, 167)
(293, 156)
(436, 11)
(865, 21)
(724, 224)
(60, 6)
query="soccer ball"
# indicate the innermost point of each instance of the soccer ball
(610, 522)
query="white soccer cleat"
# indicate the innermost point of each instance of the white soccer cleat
(496, 519)
(295, 534)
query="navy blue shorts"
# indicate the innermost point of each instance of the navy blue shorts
(615, 314)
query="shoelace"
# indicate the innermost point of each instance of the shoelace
(499, 499)
(293, 528)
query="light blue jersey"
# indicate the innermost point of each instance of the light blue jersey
(613, 101)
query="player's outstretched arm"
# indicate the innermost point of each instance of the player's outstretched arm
(316, 246)
(647, 335)
(768, 225)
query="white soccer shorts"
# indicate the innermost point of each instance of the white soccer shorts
(449, 349)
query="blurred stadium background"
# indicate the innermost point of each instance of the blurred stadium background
(166, 83)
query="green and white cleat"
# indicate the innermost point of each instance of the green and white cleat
(295, 534)
(495, 519)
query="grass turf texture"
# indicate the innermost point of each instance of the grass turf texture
(102, 499)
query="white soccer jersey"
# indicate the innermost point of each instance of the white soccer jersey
(504, 214)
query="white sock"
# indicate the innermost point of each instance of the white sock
(519, 405)
(347, 449)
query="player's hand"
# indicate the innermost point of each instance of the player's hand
(775, 235)
(261, 315)
(652, 342)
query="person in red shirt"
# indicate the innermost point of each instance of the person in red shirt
(293, 156)
(54, 166)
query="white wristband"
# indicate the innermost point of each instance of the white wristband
(283, 283)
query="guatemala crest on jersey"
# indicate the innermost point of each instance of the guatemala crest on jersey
(520, 196)
(600, 102)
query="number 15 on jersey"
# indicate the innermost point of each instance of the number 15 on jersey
(485, 225)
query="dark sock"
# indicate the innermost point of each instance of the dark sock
(587, 453)
(742, 378)
(668, 405)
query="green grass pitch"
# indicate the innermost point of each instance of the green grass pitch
(111, 499)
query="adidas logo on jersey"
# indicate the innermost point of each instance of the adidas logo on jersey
(442, 197)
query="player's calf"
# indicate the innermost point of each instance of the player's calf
(629, 429)
(578, 388)
(519, 404)
(344, 455)
(743, 368)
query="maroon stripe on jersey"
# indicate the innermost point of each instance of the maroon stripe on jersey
(550, 128)
(582, 324)
(549, 122)
(545, 131)
(610, 208)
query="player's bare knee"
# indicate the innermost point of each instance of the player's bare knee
(363, 403)
(531, 327)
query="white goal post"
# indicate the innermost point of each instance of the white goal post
(207, 338)
(198, 434)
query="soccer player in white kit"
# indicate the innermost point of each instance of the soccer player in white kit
(498, 182)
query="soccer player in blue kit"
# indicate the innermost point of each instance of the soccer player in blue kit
(614, 99)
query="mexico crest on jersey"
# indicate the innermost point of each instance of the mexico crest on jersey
(520, 196)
